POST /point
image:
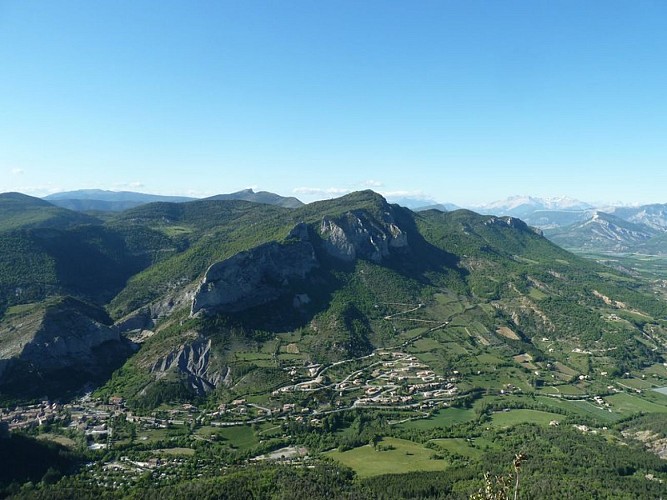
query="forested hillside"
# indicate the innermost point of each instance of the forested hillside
(348, 331)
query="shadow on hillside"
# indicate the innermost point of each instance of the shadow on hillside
(90, 261)
(423, 261)
(329, 287)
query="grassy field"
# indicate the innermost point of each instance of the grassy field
(570, 390)
(500, 379)
(430, 358)
(152, 435)
(583, 408)
(446, 305)
(172, 231)
(489, 359)
(426, 345)
(514, 417)
(657, 369)
(21, 309)
(586, 408)
(241, 436)
(453, 347)
(548, 389)
(56, 438)
(566, 370)
(175, 451)
(629, 404)
(460, 446)
(636, 383)
(443, 418)
(401, 456)
(409, 334)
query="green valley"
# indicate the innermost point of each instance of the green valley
(348, 348)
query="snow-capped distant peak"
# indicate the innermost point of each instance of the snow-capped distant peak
(565, 203)
(513, 202)
(534, 203)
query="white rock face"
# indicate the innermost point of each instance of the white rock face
(337, 243)
(398, 238)
(194, 361)
(354, 236)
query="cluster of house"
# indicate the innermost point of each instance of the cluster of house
(23, 417)
(397, 379)
(601, 402)
(422, 395)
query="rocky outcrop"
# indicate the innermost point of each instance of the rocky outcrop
(256, 276)
(265, 273)
(64, 337)
(193, 361)
(506, 221)
(68, 339)
(145, 318)
(355, 235)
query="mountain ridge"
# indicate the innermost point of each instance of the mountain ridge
(99, 200)
(349, 256)
(603, 231)
(260, 197)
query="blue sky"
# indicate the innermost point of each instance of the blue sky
(465, 102)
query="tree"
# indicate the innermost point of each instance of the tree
(375, 440)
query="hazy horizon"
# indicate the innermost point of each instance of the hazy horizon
(416, 201)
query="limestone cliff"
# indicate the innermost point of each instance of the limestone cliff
(257, 276)
(356, 235)
(265, 273)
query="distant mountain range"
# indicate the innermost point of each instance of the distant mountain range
(654, 216)
(581, 226)
(603, 232)
(98, 200)
(520, 206)
(421, 204)
(571, 223)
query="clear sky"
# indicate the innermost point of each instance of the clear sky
(458, 101)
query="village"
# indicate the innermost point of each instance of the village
(159, 447)
(386, 379)
(383, 379)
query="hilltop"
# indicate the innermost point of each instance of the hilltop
(260, 197)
